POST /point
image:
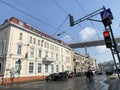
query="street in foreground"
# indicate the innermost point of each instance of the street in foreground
(77, 83)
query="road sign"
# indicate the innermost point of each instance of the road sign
(106, 13)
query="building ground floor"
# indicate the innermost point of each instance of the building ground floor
(17, 70)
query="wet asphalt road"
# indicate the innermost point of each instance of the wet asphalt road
(77, 83)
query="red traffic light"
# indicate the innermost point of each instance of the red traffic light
(106, 34)
(107, 39)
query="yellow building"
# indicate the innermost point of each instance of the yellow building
(29, 54)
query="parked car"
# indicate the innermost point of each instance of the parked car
(71, 75)
(51, 77)
(61, 76)
(79, 74)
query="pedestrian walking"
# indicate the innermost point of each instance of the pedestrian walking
(89, 75)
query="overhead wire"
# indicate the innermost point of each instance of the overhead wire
(64, 20)
(60, 26)
(84, 11)
(59, 6)
(28, 14)
(33, 11)
(90, 21)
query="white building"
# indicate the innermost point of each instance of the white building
(28, 54)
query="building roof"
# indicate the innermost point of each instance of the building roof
(27, 26)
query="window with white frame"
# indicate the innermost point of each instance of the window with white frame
(20, 36)
(5, 35)
(45, 44)
(56, 57)
(39, 68)
(19, 49)
(46, 54)
(31, 67)
(39, 53)
(57, 68)
(46, 68)
(63, 68)
(30, 39)
(61, 57)
(52, 68)
(34, 41)
(31, 52)
(38, 42)
(42, 43)
(17, 66)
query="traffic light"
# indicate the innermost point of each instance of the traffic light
(71, 20)
(107, 39)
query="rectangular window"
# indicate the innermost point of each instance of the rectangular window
(34, 41)
(63, 68)
(46, 55)
(5, 35)
(45, 44)
(62, 57)
(46, 68)
(20, 36)
(51, 46)
(57, 69)
(30, 39)
(39, 68)
(39, 55)
(32, 52)
(52, 68)
(38, 42)
(42, 43)
(56, 57)
(31, 66)
(19, 50)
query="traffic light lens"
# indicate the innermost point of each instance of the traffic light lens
(106, 34)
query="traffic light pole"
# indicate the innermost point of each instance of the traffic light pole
(114, 42)
(115, 62)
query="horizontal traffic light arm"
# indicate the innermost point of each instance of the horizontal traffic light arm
(87, 17)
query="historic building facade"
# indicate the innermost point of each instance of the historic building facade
(82, 63)
(28, 54)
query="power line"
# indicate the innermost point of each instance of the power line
(27, 14)
(59, 6)
(60, 25)
(31, 10)
(85, 13)
(81, 6)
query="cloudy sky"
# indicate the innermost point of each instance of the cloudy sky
(51, 17)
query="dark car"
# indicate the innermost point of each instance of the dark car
(61, 76)
(51, 77)
(79, 74)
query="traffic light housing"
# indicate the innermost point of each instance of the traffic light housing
(107, 39)
(71, 20)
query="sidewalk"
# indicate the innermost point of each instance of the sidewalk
(114, 82)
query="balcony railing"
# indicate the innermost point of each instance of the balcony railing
(47, 60)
